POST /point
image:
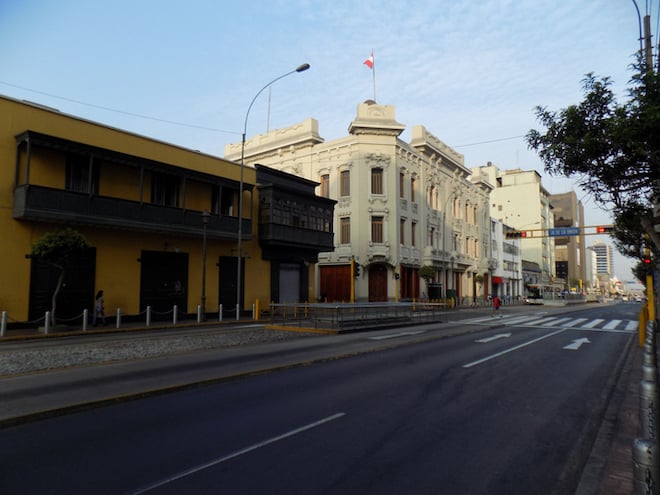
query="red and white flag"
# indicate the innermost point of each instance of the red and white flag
(370, 61)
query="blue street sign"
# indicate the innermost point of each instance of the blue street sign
(564, 231)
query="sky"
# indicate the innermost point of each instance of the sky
(471, 72)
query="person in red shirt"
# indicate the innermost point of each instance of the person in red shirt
(496, 306)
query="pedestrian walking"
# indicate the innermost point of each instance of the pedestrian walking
(496, 306)
(99, 308)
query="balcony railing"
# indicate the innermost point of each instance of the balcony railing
(39, 203)
(271, 234)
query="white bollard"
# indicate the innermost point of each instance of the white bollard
(3, 324)
(148, 316)
(118, 325)
(220, 313)
(238, 311)
(199, 313)
(47, 323)
(175, 316)
(85, 318)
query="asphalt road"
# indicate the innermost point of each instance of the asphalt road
(510, 409)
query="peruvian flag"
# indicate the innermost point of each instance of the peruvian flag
(370, 61)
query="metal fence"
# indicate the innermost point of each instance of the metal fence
(360, 316)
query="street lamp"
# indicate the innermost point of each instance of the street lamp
(205, 222)
(300, 68)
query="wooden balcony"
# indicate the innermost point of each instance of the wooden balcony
(275, 235)
(37, 203)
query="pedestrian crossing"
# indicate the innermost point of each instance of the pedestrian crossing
(595, 324)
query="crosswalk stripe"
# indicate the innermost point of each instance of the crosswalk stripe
(574, 323)
(592, 323)
(563, 322)
(612, 325)
(632, 325)
(560, 320)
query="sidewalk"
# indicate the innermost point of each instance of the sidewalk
(609, 469)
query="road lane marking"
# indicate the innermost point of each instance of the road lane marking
(395, 335)
(506, 351)
(576, 344)
(494, 337)
(238, 453)
(593, 323)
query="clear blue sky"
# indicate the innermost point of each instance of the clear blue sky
(471, 72)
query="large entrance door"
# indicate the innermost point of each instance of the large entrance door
(335, 283)
(377, 283)
(76, 294)
(289, 283)
(227, 283)
(163, 281)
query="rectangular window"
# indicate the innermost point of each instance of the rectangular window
(164, 190)
(345, 230)
(413, 228)
(402, 185)
(413, 183)
(402, 231)
(78, 178)
(345, 183)
(376, 181)
(325, 186)
(377, 230)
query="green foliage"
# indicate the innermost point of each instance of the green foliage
(58, 247)
(611, 149)
(427, 272)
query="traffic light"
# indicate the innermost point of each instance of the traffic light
(515, 234)
(357, 270)
(604, 229)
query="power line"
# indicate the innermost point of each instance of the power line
(491, 141)
(131, 114)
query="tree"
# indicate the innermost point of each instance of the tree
(427, 272)
(58, 249)
(613, 150)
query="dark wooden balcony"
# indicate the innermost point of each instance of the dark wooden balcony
(284, 236)
(37, 203)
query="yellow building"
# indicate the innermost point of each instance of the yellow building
(148, 209)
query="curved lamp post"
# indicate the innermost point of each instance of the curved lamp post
(300, 68)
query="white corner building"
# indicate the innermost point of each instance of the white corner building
(400, 206)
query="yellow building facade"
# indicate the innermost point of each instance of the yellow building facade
(149, 210)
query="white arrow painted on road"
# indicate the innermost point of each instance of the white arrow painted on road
(494, 337)
(577, 344)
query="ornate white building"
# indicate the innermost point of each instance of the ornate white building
(400, 206)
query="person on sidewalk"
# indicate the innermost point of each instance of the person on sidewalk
(496, 306)
(99, 308)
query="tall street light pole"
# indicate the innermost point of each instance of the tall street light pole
(300, 68)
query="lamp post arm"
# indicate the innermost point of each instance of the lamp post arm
(300, 68)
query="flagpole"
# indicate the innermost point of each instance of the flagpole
(373, 74)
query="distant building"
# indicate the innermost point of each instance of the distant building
(604, 260)
(520, 201)
(590, 268)
(569, 251)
